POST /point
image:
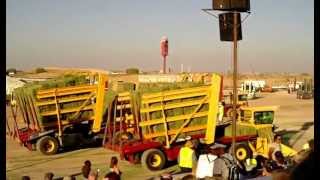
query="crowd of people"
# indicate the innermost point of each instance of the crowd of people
(217, 163)
(88, 173)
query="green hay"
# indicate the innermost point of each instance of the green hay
(160, 87)
(28, 92)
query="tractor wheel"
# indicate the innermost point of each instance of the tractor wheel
(47, 145)
(153, 159)
(243, 152)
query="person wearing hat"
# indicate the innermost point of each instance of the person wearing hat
(222, 163)
(187, 157)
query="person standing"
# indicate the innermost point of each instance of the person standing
(86, 168)
(114, 165)
(224, 165)
(220, 111)
(48, 176)
(205, 164)
(187, 158)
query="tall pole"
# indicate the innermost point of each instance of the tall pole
(235, 78)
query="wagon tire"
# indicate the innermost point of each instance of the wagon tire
(47, 145)
(153, 159)
(243, 152)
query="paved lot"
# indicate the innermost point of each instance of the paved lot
(293, 115)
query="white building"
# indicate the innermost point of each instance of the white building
(12, 83)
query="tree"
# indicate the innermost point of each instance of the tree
(40, 70)
(11, 70)
(132, 71)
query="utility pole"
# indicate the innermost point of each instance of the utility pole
(235, 79)
(231, 32)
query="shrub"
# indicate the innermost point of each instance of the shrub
(40, 70)
(132, 71)
(11, 70)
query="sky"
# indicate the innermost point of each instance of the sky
(278, 35)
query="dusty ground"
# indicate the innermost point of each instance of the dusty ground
(294, 116)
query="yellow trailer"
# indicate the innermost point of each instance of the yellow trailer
(61, 117)
(151, 129)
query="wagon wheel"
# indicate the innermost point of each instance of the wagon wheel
(153, 159)
(47, 145)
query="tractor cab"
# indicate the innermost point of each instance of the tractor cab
(263, 115)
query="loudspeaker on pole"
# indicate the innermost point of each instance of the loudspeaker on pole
(226, 21)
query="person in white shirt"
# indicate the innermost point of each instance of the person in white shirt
(205, 164)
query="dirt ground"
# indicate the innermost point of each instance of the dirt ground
(294, 116)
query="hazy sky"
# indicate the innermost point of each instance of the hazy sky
(116, 34)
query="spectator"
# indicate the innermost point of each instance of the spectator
(223, 164)
(114, 165)
(275, 146)
(112, 176)
(48, 176)
(69, 178)
(93, 175)
(248, 169)
(306, 168)
(205, 164)
(25, 178)
(187, 158)
(86, 168)
(281, 163)
(166, 176)
(188, 177)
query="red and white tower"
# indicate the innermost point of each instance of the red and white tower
(164, 47)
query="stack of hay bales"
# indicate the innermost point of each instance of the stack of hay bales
(26, 98)
(147, 88)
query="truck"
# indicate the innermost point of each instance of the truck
(59, 118)
(306, 90)
(252, 88)
(150, 130)
(147, 128)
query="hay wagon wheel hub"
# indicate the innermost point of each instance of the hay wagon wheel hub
(155, 160)
(241, 153)
(48, 146)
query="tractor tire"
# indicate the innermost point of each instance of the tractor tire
(153, 159)
(243, 152)
(47, 145)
